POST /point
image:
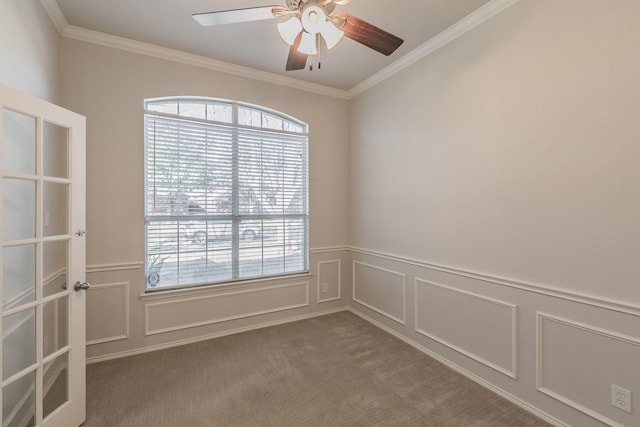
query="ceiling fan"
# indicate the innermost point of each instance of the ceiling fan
(310, 20)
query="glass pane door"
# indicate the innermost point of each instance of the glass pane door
(41, 259)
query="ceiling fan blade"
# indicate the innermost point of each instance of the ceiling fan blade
(296, 60)
(369, 35)
(233, 16)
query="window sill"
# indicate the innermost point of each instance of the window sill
(204, 289)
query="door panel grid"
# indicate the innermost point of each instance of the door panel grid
(42, 321)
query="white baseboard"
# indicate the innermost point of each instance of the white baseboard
(178, 343)
(511, 398)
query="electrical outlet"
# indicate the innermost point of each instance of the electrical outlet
(621, 398)
(325, 288)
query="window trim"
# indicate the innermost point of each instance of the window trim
(235, 217)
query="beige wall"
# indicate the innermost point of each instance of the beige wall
(489, 193)
(29, 63)
(29, 49)
(495, 197)
(512, 151)
(109, 86)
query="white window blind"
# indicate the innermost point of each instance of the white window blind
(226, 192)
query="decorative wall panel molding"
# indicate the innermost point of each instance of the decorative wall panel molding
(381, 290)
(577, 363)
(482, 328)
(329, 274)
(107, 301)
(184, 313)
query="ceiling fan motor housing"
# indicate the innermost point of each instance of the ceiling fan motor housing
(294, 4)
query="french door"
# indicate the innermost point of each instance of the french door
(42, 219)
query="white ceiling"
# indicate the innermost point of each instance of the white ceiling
(256, 44)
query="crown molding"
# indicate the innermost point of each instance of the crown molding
(152, 50)
(484, 13)
(55, 14)
(82, 34)
(461, 27)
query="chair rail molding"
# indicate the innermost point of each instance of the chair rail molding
(106, 268)
(582, 298)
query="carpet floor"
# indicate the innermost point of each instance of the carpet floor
(335, 370)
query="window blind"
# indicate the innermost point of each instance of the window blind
(224, 201)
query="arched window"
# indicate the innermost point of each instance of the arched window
(226, 188)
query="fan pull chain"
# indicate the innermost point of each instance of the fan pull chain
(319, 43)
(317, 55)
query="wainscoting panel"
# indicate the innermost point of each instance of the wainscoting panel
(479, 327)
(107, 301)
(381, 290)
(329, 280)
(203, 310)
(578, 363)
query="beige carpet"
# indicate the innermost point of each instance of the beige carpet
(335, 370)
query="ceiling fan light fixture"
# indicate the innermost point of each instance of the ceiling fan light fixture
(308, 44)
(289, 30)
(304, 22)
(331, 34)
(313, 19)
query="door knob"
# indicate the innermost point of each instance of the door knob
(81, 286)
